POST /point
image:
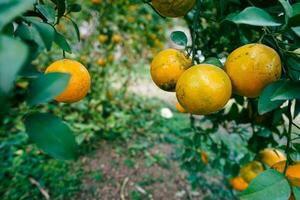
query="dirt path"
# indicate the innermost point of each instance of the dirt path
(112, 174)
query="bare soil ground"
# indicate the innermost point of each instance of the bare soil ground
(110, 176)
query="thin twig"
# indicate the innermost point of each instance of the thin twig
(41, 189)
(289, 137)
(296, 125)
(123, 188)
(195, 27)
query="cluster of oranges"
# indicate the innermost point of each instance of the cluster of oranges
(116, 38)
(268, 158)
(204, 89)
(104, 39)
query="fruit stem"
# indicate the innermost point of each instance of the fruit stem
(289, 136)
(195, 27)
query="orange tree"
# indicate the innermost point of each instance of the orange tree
(28, 28)
(255, 44)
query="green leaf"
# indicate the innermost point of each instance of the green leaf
(295, 19)
(296, 191)
(48, 12)
(74, 7)
(76, 29)
(288, 9)
(297, 108)
(51, 135)
(264, 102)
(296, 30)
(296, 9)
(46, 87)
(179, 38)
(288, 90)
(13, 54)
(214, 61)
(9, 9)
(253, 16)
(61, 7)
(24, 32)
(268, 185)
(46, 31)
(8, 29)
(293, 65)
(62, 42)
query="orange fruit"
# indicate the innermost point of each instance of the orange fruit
(116, 38)
(166, 68)
(80, 81)
(249, 171)
(173, 8)
(251, 68)
(96, 1)
(271, 156)
(203, 89)
(179, 108)
(204, 157)
(292, 172)
(102, 38)
(239, 184)
(101, 62)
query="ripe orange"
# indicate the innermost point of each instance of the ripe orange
(203, 89)
(79, 83)
(166, 68)
(271, 156)
(102, 38)
(96, 1)
(116, 38)
(204, 157)
(238, 183)
(292, 173)
(249, 171)
(101, 62)
(173, 8)
(251, 68)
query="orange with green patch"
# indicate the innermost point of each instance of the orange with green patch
(239, 184)
(173, 8)
(203, 89)
(251, 68)
(166, 68)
